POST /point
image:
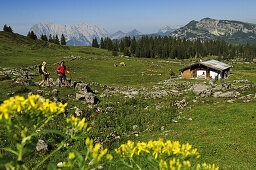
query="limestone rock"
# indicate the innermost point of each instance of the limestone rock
(41, 145)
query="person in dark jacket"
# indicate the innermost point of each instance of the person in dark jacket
(62, 69)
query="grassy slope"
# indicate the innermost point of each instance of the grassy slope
(223, 133)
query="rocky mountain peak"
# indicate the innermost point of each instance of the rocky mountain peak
(208, 28)
(78, 34)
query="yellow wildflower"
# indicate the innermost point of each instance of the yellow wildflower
(71, 155)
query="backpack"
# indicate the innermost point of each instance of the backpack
(60, 68)
(40, 69)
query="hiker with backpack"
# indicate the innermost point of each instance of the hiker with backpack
(61, 69)
(44, 73)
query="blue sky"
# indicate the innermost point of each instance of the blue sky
(145, 15)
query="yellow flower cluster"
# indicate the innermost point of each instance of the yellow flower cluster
(174, 164)
(77, 123)
(35, 103)
(97, 151)
(205, 166)
(177, 164)
(157, 148)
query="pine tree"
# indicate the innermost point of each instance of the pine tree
(51, 40)
(102, 45)
(56, 40)
(44, 37)
(133, 45)
(10, 29)
(127, 51)
(121, 45)
(63, 40)
(29, 34)
(108, 44)
(95, 43)
(7, 29)
(32, 35)
(127, 41)
(115, 45)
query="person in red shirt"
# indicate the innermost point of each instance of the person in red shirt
(61, 69)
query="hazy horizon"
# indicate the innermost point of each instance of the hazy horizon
(113, 15)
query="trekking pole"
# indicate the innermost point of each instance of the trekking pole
(70, 76)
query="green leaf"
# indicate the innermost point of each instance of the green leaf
(18, 146)
(52, 166)
(10, 150)
(79, 157)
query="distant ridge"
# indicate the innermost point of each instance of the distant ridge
(228, 30)
(78, 34)
(120, 34)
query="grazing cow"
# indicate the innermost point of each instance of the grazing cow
(115, 65)
(122, 64)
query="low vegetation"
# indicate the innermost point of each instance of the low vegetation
(143, 117)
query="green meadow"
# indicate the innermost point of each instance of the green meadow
(223, 133)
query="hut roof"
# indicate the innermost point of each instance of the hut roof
(214, 64)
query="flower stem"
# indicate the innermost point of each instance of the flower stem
(48, 156)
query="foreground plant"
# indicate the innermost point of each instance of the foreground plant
(25, 118)
(159, 155)
(93, 156)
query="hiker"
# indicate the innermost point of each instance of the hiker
(61, 69)
(45, 74)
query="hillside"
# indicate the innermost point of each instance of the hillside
(137, 102)
(231, 31)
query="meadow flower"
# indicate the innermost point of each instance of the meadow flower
(71, 155)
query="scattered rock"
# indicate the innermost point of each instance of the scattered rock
(115, 135)
(231, 101)
(162, 128)
(41, 145)
(181, 104)
(55, 99)
(226, 94)
(202, 90)
(80, 96)
(78, 112)
(40, 92)
(55, 92)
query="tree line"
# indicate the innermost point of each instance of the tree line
(32, 35)
(52, 38)
(176, 48)
(7, 29)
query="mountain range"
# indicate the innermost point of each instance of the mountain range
(83, 34)
(228, 30)
(77, 35)
(205, 29)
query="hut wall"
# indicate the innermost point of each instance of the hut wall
(186, 74)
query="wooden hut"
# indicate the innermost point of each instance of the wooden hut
(206, 69)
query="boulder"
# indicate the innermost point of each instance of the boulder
(202, 90)
(41, 145)
(228, 94)
(79, 96)
(80, 86)
(89, 98)
(217, 94)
